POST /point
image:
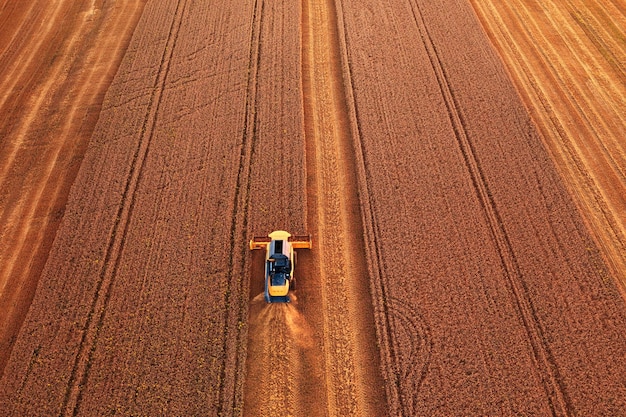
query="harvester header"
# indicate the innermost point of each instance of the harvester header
(297, 242)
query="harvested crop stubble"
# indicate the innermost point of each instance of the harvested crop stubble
(56, 61)
(567, 59)
(488, 300)
(140, 307)
(491, 297)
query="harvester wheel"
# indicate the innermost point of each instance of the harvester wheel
(292, 284)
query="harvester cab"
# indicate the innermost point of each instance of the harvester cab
(280, 261)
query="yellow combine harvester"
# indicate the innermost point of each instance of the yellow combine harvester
(280, 261)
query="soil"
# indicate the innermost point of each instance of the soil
(451, 272)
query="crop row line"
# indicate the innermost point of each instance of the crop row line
(542, 355)
(230, 382)
(349, 342)
(95, 318)
(598, 31)
(380, 295)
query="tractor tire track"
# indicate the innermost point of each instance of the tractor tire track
(89, 339)
(317, 356)
(552, 382)
(230, 396)
(283, 368)
(351, 352)
(371, 231)
(470, 214)
(411, 362)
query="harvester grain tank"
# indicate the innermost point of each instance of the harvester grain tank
(280, 261)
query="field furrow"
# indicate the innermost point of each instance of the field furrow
(334, 217)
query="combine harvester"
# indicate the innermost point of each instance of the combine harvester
(280, 261)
